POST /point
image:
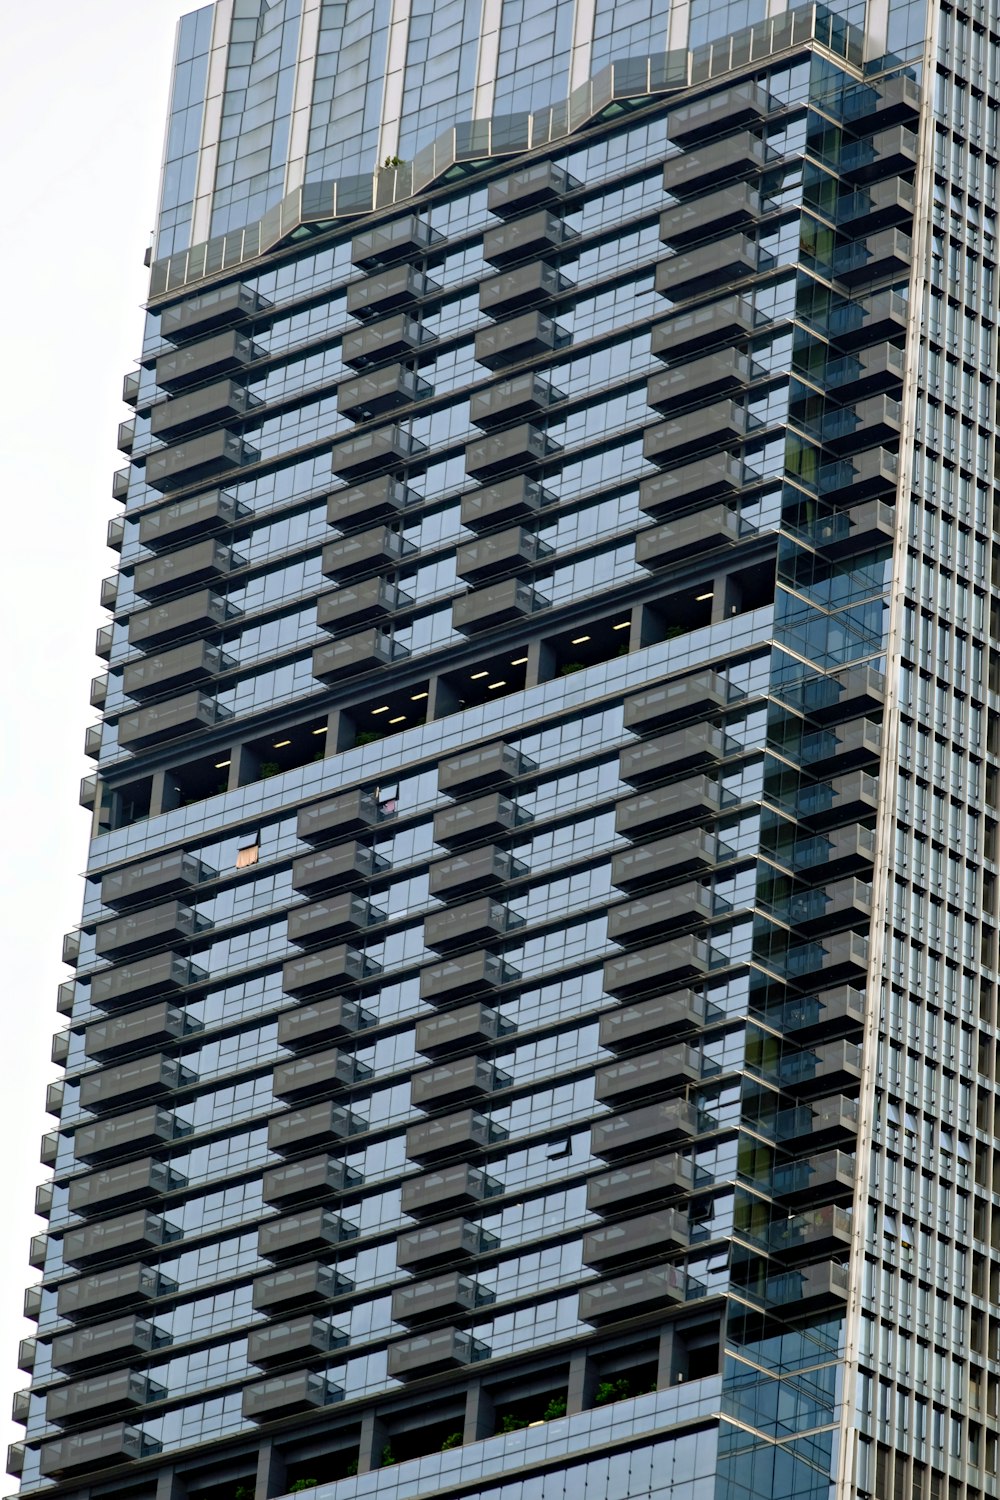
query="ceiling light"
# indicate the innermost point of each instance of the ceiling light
(280, 744)
(399, 719)
(622, 625)
(321, 730)
(700, 598)
(475, 676)
(383, 710)
(519, 661)
(417, 697)
(578, 640)
(494, 685)
(220, 764)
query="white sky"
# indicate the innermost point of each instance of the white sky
(83, 97)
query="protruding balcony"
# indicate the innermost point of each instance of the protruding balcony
(476, 770)
(838, 1012)
(311, 1230)
(338, 817)
(460, 978)
(156, 925)
(166, 721)
(695, 272)
(708, 428)
(875, 420)
(316, 1125)
(106, 1343)
(865, 527)
(136, 1029)
(351, 655)
(403, 239)
(705, 530)
(647, 1074)
(639, 1183)
(868, 320)
(433, 1353)
(202, 407)
(468, 925)
(531, 187)
(329, 1019)
(122, 1083)
(530, 285)
(442, 1245)
(658, 912)
(525, 337)
(827, 1068)
(700, 380)
(828, 1178)
(891, 101)
(801, 1295)
(828, 1122)
(216, 453)
(660, 1018)
(449, 1295)
(380, 392)
(496, 604)
(339, 868)
(635, 1239)
(668, 1123)
(698, 695)
(105, 1292)
(699, 798)
(458, 1030)
(133, 1182)
(888, 252)
(320, 1176)
(388, 291)
(855, 743)
(877, 206)
(288, 1395)
(457, 1186)
(514, 448)
(218, 308)
(165, 973)
(160, 876)
(397, 337)
(526, 238)
(522, 396)
(373, 452)
(315, 972)
(360, 603)
(88, 1452)
(487, 817)
(482, 869)
(844, 695)
(463, 1081)
(321, 1073)
(718, 113)
(381, 499)
(464, 1134)
(845, 956)
(651, 761)
(829, 907)
(733, 207)
(191, 614)
(224, 353)
(715, 476)
(516, 499)
(502, 552)
(302, 1338)
(708, 166)
(818, 1231)
(100, 1396)
(869, 475)
(109, 1238)
(364, 552)
(199, 515)
(630, 1294)
(673, 962)
(693, 330)
(304, 1285)
(339, 916)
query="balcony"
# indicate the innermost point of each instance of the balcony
(324, 1020)
(512, 400)
(844, 695)
(340, 916)
(383, 391)
(699, 798)
(830, 1177)
(458, 1186)
(442, 1245)
(217, 453)
(397, 337)
(110, 1291)
(451, 1295)
(311, 1230)
(830, 907)
(353, 556)
(303, 1285)
(338, 817)
(162, 1022)
(316, 1125)
(496, 604)
(838, 1012)
(515, 291)
(487, 817)
(867, 373)
(516, 499)
(687, 749)
(192, 613)
(680, 1013)
(433, 1353)
(889, 102)
(202, 407)
(638, 1184)
(718, 114)
(88, 1452)
(481, 869)
(627, 1296)
(464, 1134)
(218, 308)
(121, 1083)
(647, 1075)
(855, 743)
(514, 448)
(888, 153)
(868, 476)
(713, 215)
(163, 876)
(875, 420)
(843, 957)
(690, 536)
(698, 271)
(338, 869)
(526, 238)
(486, 767)
(329, 967)
(700, 380)
(828, 1068)
(373, 452)
(100, 1396)
(828, 1122)
(699, 695)
(222, 354)
(531, 187)
(870, 320)
(134, 1182)
(464, 1081)
(864, 528)
(693, 330)
(707, 166)
(461, 978)
(671, 1122)
(381, 499)
(525, 337)
(458, 1030)
(468, 925)
(351, 655)
(636, 1239)
(321, 1073)
(283, 1343)
(715, 476)
(401, 240)
(388, 291)
(106, 1343)
(709, 428)
(659, 912)
(667, 963)
(163, 974)
(288, 1395)
(131, 1234)
(167, 721)
(802, 1295)
(819, 1231)
(156, 925)
(878, 206)
(314, 1177)
(201, 515)
(888, 252)
(360, 603)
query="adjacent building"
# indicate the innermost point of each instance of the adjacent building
(533, 1015)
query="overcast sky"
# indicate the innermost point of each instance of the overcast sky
(83, 94)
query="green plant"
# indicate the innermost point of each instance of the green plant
(453, 1440)
(393, 161)
(365, 737)
(569, 667)
(556, 1408)
(302, 1484)
(387, 1456)
(511, 1423)
(268, 768)
(243, 1492)
(649, 1390)
(612, 1390)
(352, 1468)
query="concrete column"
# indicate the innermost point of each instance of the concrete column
(371, 1442)
(581, 1385)
(480, 1418)
(170, 1486)
(271, 1472)
(665, 1370)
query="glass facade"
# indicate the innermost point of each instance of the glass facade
(531, 1028)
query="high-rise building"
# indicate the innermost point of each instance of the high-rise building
(534, 1013)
